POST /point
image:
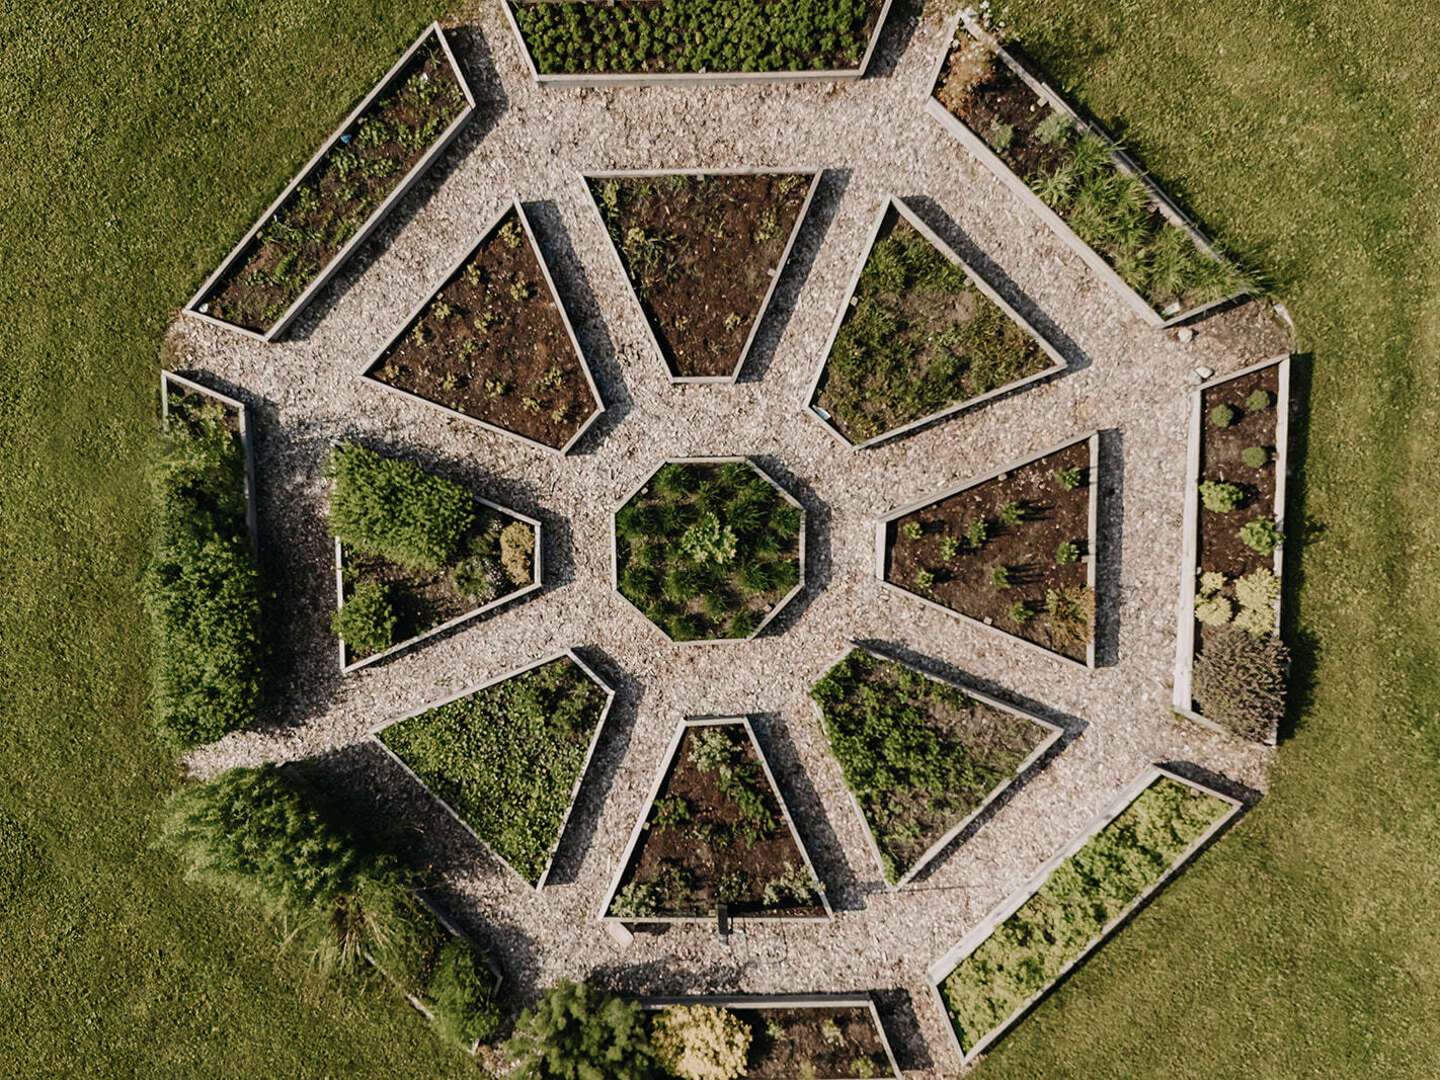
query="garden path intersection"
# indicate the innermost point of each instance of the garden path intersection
(873, 138)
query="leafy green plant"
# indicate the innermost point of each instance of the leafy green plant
(1055, 128)
(1257, 457)
(1220, 497)
(576, 1032)
(1261, 535)
(911, 530)
(1239, 681)
(1222, 416)
(700, 1042)
(709, 541)
(1019, 614)
(1068, 478)
(924, 579)
(1213, 609)
(1258, 400)
(949, 548)
(1000, 135)
(1000, 577)
(460, 998)
(1066, 552)
(1012, 513)
(366, 621)
(977, 532)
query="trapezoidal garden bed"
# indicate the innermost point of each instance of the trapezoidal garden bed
(1013, 551)
(703, 251)
(181, 396)
(506, 758)
(366, 166)
(1077, 180)
(683, 43)
(921, 336)
(922, 756)
(823, 1036)
(1024, 947)
(493, 345)
(714, 831)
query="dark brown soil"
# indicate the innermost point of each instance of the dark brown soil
(1027, 548)
(425, 600)
(695, 865)
(492, 345)
(346, 185)
(1220, 449)
(801, 1038)
(701, 252)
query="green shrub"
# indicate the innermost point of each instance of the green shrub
(1066, 552)
(472, 580)
(1000, 136)
(1012, 513)
(1257, 457)
(949, 548)
(1019, 614)
(1055, 128)
(1257, 593)
(924, 579)
(911, 530)
(1068, 478)
(576, 1032)
(1213, 609)
(1220, 497)
(1222, 416)
(700, 1042)
(395, 509)
(1070, 614)
(1261, 535)
(1000, 577)
(366, 621)
(977, 532)
(1258, 400)
(461, 996)
(1239, 681)
(517, 545)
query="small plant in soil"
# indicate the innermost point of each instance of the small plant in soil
(506, 757)
(701, 253)
(1220, 497)
(493, 345)
(1019, 531)
(1261, 535)
(824, 1043)
(920, 755)
(707, 550)
(731, 845)
(353, 178)
(917, 337)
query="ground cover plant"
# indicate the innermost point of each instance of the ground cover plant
(417, 551)
(1072, 173)
(1007, 551)
(708, 1042)
(270, 838)
(701, 252)
(1090, 889)
(1240, 670)
(707, 550)
(202, 587)
(507, 757)
(919, 755)
(715, 834)
(309, 229)
(695, 35)
(493, 344)
(917, 338)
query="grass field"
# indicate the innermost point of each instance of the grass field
(138, 140)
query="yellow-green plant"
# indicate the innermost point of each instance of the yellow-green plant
(700, 1042)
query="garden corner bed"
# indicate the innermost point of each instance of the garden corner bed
(1230, 665)
(920, 337)
(1013, 550)
(1027, 944)
(190, 402)
(776, 1037)
(494, 345)
(922, 757)
(1077, 179)
(367, 165)
(708, 549)
(714, 831)
(416, 554)
(695, 42)
(506, 758)
(703, 252)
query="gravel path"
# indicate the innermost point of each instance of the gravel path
(873, 138)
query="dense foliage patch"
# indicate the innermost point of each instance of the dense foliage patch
(1084, 893)
(507, 757)
(202, 589)
(576, 1032)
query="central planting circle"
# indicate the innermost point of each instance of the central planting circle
(709, 549)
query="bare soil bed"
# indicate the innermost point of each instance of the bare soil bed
(829, 1041)
(1220, 460)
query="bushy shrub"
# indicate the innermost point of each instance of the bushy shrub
(700, 1042)
(1257, 457)
(1068, 478)
(1213, 609)
(1219, 497)
(1070, 614)
(460, 997)
(1012, 513)
(1239, 681)
(1222, 416)
(911, 530)
(517, 545)
(1019, 614)
(1259, 589)
(1066, 553)
(576, 1032)
(1261, 535)
(1055, 128)
(366, 621)
(395, 509)
(1000, 577)
(1258, 400)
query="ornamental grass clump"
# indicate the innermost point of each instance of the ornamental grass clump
(1239, 681)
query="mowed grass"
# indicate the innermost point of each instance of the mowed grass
(1305, 943)
(137, 142)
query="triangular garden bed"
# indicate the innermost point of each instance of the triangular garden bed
(920, 337)
(703, 252)
(1031, 577)
(714, 830)
(506, 758)
(494, 345)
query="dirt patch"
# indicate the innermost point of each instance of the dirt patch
(830, 1041)
(491, 344)
(701, 252)
(1220, 460)
(1027, 549)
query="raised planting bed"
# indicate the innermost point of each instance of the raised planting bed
(773, 1037)
(189, 402)
(1230, 664)
(695, 42)
(493, 345)
(714, 831)
(1078, 180)
(1013, 550)
(416, 555)
(1025, 946)
(920, 337)
(703, 252)
(708, 549)
(506, 758)
(922, 756)
(364, 168)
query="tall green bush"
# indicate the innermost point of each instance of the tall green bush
(576, 1032)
